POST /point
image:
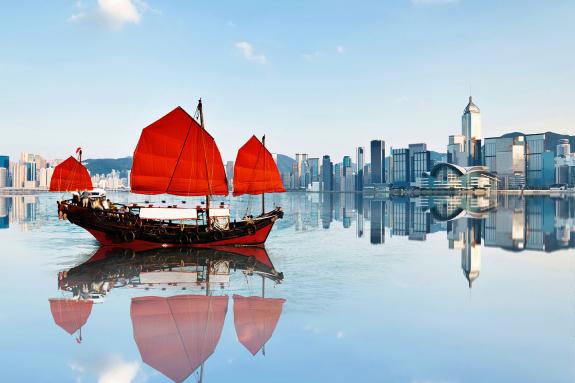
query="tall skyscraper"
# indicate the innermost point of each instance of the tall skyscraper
(326, 173)
(360, 162)
(377, 161)
(471, 129)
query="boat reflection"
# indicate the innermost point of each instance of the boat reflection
(174, 334)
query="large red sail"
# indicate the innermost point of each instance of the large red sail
(70, 175)
(255, 171)
(255, 320)
(175, 155)
(176, 335)
(70, 314)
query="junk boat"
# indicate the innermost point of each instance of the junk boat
(175, 155)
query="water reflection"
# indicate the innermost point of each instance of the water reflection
(177, 330)
(509, 222)
(512, 223)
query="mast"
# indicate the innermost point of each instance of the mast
(201, 114)
(263, 296)
(263, 194)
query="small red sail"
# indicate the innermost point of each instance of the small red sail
(255, 319)
(70, 175)
(255, 171)
(70, 314)
(175, 155)
(176, 335)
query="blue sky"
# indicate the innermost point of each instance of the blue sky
(314, 76)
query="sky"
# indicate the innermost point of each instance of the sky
(318, 77)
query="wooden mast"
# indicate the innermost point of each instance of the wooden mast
(201, 114)
(263, 194)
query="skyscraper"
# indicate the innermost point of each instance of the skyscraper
(413, 149)
(360, 159)
(401, 168)
(327, 173)
(377, 161)
(471, 129)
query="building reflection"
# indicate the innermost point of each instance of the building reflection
(510, 222)
(20, 209)
(179, 301)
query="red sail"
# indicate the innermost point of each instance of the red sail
(255, 320)
(175, 155)
(70, 175)
(70, 314)
(255, 171)
(176, 335)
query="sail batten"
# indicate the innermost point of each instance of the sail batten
(255, 171)
(70, 175)
(175, 155)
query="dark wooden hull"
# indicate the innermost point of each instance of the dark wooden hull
(114, 228)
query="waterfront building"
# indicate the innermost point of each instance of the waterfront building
(450, 176)
(456, 150)
(229, 173)
(377, 162)
(302, 171)
(314, 169)
(366, 175)
(3, 178)
(401, 169)
(327, 173)
(539, 161)
(505, 157)
(337, 175)
(360, 163)
(471, 129)
(5, 164)
(564, 164)
(465, 149)
(413, 149)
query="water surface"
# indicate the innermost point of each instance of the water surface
(397, 290)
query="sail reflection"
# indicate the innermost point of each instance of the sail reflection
(175, 334)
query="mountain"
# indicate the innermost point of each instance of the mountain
(105, 165)
(284, 163)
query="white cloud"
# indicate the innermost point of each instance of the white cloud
(249, 54)
(340, 49)
(433, 2)
(340, 334)
(119, 12)
(108, 369)
(120, 372)
(112, 13)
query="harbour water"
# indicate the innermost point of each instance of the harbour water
(446, 289)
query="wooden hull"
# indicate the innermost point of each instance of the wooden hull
(126, 229)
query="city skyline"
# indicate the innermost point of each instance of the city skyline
(102, 74)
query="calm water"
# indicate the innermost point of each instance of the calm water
(420, 290)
